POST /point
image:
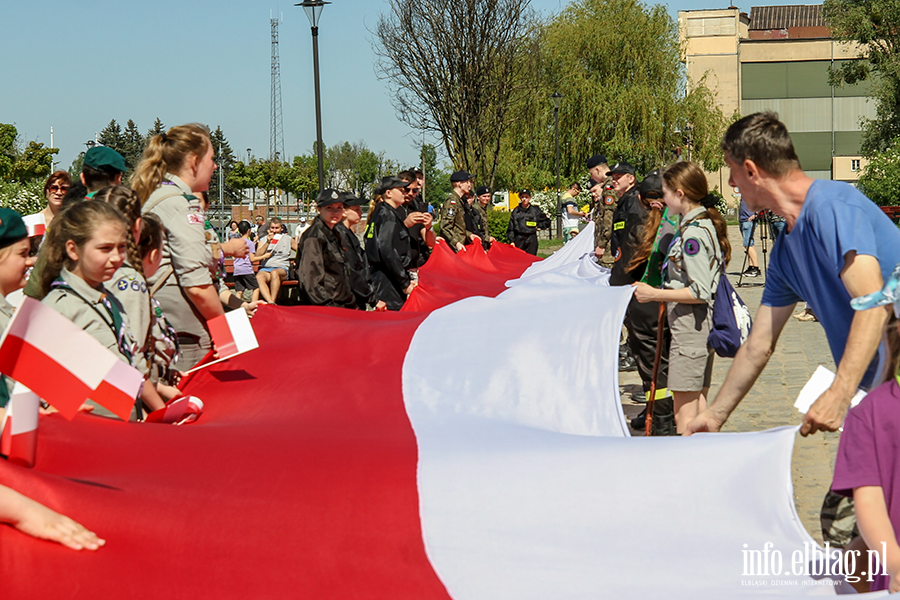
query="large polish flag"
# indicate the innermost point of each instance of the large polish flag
(473, 450)
(63, 364)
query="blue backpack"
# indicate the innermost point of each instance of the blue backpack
(730, 319)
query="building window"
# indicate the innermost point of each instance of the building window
(854, 164)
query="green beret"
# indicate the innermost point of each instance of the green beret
(12, 227)
(103, 158)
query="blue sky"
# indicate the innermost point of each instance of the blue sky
(76, 64)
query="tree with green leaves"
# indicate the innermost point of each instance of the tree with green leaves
(23, 171)
(456, 68)
(873, 24)
(617, 65)
(880, 180)
(437, 181)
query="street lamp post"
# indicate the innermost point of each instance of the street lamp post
(313, 9)
(556, 97)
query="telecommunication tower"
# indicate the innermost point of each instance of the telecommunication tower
(276, 131)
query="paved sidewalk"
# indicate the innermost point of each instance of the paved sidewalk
(801, 348)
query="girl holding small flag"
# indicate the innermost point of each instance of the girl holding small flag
(85, 248)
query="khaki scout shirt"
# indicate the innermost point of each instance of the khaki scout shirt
(185, 251)
(91, 316)
(694, 261)
(130, 288)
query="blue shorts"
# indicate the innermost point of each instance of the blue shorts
(747, 232)
(270, 269)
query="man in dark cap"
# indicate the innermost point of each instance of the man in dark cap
(418, 220)
(598, 168)
(387, 246)
(321, 266)
(454, 210)
(524, 221)
(355, 256)
(479, 211)
(605, 200)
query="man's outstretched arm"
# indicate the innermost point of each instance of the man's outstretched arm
(749, 362)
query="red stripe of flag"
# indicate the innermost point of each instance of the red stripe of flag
(221, 335)
(47, 378)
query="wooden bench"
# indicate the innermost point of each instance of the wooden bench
(288, 295)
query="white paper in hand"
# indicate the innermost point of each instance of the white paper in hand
(820, 381)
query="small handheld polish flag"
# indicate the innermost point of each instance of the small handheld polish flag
(232, 334)
(18, 432)
(63, 364)
(36, 224)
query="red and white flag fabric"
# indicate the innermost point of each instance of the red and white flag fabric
(475, 451)
(36, 224)
(232, 334)
(273, 241)
(63, 364)
(178, 411)
(19, 430)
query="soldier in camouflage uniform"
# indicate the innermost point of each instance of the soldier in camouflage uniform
(605, 202)
(453, 212)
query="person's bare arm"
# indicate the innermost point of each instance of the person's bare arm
(206, 300)
(861, 275)
(876, 528)
(37, 520)
(749, 362)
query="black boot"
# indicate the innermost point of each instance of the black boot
(663, 417)
(626, 359)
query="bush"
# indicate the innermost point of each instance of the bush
(25, 198)
(498, 222)
(880, 180)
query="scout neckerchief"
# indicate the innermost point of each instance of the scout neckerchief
(115, 322)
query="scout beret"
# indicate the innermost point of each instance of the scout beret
(106, 159)
(12, 227)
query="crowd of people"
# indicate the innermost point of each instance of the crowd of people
(140, 268)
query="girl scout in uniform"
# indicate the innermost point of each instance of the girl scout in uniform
(84, 249)
(174, 165)
(694, 263)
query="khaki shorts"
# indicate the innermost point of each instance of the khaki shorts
(690, 357)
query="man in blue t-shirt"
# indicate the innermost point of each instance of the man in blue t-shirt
(837, 245)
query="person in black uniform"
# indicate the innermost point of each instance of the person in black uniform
(355, 256)
(641, 320)
(388, 246)
(321, 266)
(524, 221)
(417, 221)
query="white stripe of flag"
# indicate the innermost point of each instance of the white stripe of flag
(232, 334)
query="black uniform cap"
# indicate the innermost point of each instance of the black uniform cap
(597, 159)
(460, 176)
(328, 196)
